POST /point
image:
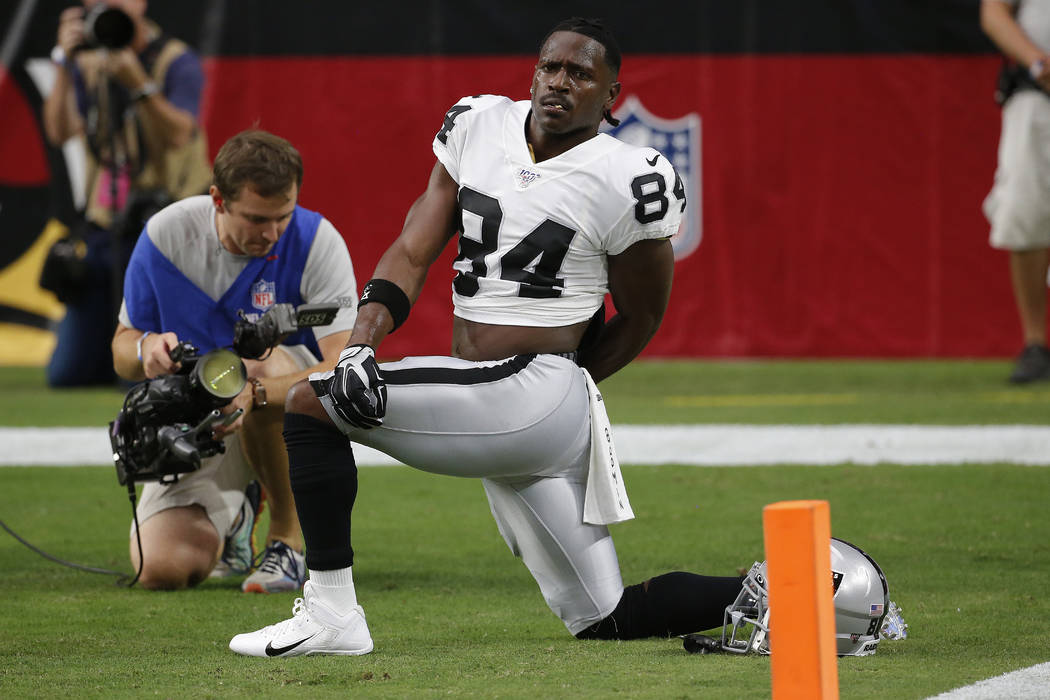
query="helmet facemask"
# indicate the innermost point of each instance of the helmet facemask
(746, 622)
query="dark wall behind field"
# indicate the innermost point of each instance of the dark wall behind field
(843, 150)
(466, 27)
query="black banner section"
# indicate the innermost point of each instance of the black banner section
(478, 27)
(21, 317)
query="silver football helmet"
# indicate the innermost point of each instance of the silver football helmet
(863, 611)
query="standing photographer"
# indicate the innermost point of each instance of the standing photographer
(134, 94)
(245, 246)
(1017, 207)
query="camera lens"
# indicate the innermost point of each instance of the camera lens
(109, 27)
(221, 373)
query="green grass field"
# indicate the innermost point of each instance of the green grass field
(454, 614)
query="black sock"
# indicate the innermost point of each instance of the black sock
(668, 605)
(324, 482)
(682, 602)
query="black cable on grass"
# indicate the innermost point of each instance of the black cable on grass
(122, 577)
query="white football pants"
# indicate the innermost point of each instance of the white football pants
(522, 425)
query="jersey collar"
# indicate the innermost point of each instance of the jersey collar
(517, 147)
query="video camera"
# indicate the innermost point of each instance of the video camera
(165, 425)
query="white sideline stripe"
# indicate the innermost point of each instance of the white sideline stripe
(702, 445)
(1030, 683)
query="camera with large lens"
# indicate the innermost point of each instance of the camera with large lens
(165, 425)
(254, 339)
(108, 28)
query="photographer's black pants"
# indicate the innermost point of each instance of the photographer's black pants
(324, 482)
(82, 354)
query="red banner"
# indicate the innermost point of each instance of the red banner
(840, 194)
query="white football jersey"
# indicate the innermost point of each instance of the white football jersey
(534, 240)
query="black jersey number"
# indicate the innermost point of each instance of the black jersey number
(450, 121)
(650, 195)
(546, 246)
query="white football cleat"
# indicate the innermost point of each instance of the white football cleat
(314, 628)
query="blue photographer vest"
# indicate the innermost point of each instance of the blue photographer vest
(160, 298)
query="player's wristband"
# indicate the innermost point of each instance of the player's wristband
(389, 295)
(138, 345)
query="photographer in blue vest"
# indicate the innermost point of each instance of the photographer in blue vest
(199, 265)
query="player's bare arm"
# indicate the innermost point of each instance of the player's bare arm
(429, 225)
(640, 284)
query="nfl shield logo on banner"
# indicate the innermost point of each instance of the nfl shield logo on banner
(679, 141)
(264, 294)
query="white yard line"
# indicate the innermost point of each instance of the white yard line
(702, 445)
(1032, 683)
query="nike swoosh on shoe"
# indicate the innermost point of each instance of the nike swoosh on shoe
(271, 650)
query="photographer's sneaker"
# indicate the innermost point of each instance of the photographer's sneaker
(238, 551)
(281, 569)
(314, 628)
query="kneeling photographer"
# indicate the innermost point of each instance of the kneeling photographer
(204, 268)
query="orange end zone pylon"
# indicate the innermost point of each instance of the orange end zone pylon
(801, 612)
